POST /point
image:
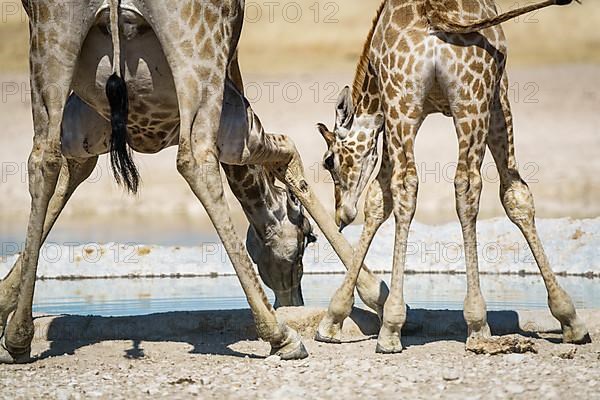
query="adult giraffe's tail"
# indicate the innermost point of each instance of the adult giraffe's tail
(124, 169)
(442, 22)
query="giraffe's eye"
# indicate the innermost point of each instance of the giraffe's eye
(329, 163)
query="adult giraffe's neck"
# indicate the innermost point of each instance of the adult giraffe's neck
(263, 202)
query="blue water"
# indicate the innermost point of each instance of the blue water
(123, 297)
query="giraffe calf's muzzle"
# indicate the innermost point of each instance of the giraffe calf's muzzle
(345, 215)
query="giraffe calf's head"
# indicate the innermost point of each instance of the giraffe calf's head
(351, 156)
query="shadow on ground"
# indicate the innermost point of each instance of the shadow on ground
(212, 332)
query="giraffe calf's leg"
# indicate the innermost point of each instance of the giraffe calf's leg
(404, 189)
(519, 206)
(518, 203)
(468, 191)
(394, 314)
(378, 207)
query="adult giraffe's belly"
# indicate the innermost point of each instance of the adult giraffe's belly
(153, 108)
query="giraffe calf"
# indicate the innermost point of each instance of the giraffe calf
(421, 58)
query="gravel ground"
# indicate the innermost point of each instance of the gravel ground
(217, 368)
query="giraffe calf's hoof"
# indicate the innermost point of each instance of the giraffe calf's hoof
(389, 342)
(319, 337)
(7, 357)
(576, 332)
(386, 350)
(329, 331)
(479, 332)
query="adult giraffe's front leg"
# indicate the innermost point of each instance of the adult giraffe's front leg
(378, 208)
(52, 65)
(278, 154)
(371, 289)
(199, 72)
(199, 165)
(518, 203)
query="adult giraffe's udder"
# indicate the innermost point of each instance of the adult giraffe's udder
(153, 108)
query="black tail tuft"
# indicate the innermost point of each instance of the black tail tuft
(123, 167)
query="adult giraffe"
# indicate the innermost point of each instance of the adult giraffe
(184, 89)
(422, 58)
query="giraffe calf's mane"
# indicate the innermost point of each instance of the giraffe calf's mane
(363, 62)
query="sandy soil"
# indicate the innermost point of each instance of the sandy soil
(225, 365)
(435, 370)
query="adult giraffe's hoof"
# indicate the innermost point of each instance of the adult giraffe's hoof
(7, 357)
(329, 331)
(294, 350)
(576, 333)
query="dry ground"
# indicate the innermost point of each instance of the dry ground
(439, 369)
(221, 364)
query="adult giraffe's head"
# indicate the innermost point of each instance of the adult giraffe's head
(278, 248)
(351, 155)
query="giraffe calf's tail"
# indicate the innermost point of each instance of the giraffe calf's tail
(121, 159)
(442, 22)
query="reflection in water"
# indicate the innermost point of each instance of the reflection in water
(121, 297)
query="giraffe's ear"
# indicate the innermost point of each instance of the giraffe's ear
(327, 135)
(344, 109)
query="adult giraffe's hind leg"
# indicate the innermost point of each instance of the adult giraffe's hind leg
(72, 174)
(53, 63)
(519, 206)
(199, 78)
